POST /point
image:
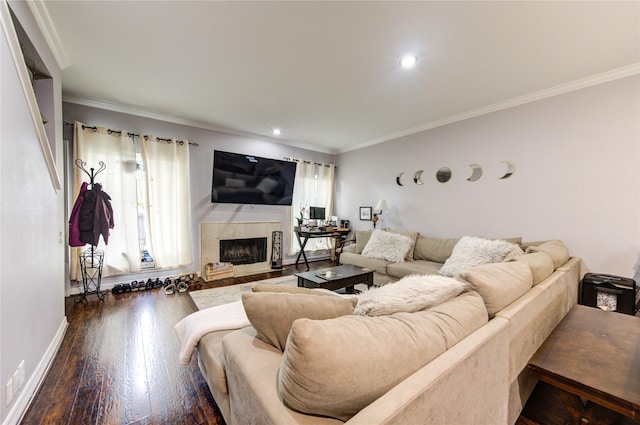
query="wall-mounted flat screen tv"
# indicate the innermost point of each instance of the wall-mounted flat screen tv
(248, 179)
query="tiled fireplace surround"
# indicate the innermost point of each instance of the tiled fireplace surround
(212, 233)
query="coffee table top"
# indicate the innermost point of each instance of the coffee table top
(341, 272)
(595, 354)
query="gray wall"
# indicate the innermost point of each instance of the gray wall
(32, 320)
(577, 177)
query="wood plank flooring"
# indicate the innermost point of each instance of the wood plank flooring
(118, 363)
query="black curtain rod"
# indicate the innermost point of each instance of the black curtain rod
(132, 135)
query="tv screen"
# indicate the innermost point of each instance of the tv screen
(248, 179)
(316, 213)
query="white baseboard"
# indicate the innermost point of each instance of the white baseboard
(26, 396)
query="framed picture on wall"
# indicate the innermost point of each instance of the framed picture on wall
(365, 213)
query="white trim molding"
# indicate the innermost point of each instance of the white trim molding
(35, 381)
(40, 13)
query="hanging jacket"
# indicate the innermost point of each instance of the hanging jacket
(74, 219)
(96, 216)
(103, 216)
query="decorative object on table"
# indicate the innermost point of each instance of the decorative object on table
(511, 168)
(476, 172)
(417, 177)
(276, 249)
(398, 181)
(365, 213)
(380, 207)
(443, 174)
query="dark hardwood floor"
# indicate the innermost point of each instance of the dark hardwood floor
(118, 363)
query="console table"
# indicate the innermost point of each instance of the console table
(303, 234)
(593, 355)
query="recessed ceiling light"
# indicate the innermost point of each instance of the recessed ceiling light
(408, 61)
(276, 131)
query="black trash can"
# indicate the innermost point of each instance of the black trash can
(610, 293)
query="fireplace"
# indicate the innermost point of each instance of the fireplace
(243, 251)
(212, 236)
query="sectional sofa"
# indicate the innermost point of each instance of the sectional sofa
(471, 353)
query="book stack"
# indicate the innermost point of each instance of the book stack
(215, 271)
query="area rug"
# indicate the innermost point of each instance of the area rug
(206, 298)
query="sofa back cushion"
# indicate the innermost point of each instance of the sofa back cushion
(271, 313)
(499, 284)
(556, 249)
(433, 249)
(338, 366)
(540, 263)
(362, 237)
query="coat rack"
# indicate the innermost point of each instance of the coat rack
(91, 259)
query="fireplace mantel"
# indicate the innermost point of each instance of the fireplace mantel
(212, 233)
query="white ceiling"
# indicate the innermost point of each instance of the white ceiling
(326, 72)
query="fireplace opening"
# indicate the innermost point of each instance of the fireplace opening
(243, 251)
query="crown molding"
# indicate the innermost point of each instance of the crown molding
(43, 20)
(593, 80)
(192, 123)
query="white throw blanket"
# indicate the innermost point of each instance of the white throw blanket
(198, 324)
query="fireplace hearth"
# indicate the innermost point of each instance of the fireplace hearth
(243, 251)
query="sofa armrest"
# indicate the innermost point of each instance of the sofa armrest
(343, 246)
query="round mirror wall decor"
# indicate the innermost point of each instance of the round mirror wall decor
(443, 175)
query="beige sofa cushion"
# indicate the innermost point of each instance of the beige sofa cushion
(556, 249)
(379, 266)
(540, 263)
(433, 249)
(271, 313)
(338, 366)
(362, 237)
(499, 284)
(399, 270)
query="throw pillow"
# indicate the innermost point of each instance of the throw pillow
(472, 251)
(339, 366)
(271, 314)
(540, 263)
(499, 284)
(362, 237)
(409, 294)
(556, 249)
(387, 246)
(414, 238)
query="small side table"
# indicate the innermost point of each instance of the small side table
(593, 355)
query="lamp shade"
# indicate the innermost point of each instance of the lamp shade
(381, 206)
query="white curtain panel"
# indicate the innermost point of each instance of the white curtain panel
(118, 180)
(168, 201)
(313, 187)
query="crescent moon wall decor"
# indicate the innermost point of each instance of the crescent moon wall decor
(511, 168)
(398, 179)
(417, 177)
(476, 172)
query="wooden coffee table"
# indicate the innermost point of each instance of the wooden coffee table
(593, 355)
(345, 276)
